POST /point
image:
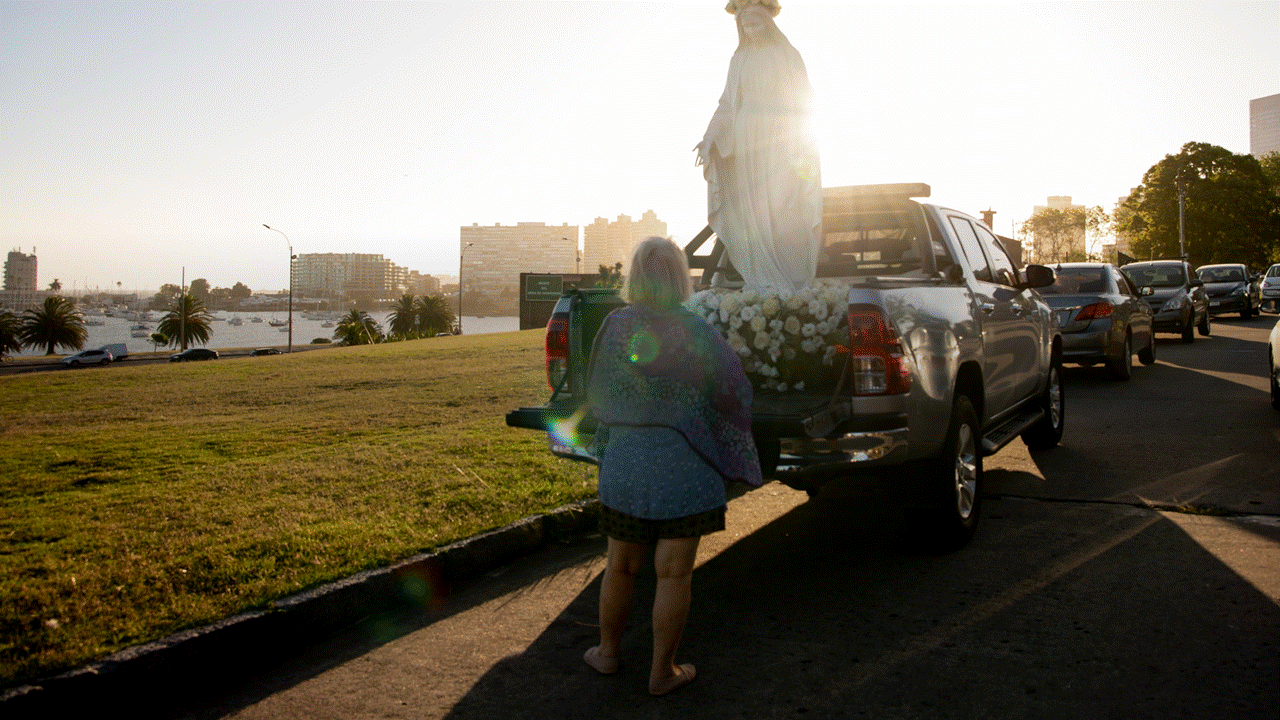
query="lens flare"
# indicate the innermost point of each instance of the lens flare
(565, 430)
(642, 348)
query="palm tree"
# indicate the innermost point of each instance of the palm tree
(357, 328)
(434, 315)
(55, 323)
(187, 322)
(9, 328)
(404, 316)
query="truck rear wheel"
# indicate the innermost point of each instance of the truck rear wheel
(948, 515)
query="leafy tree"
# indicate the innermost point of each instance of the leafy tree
(55, 286)
(220, 297)
(1060, 234)
(610, 277)
(9, 328)
(186, 323)
(1231, 211)
(55, 323)
(1271, 168)
(158, 339)
(240, 291)
(357, 328)
(166, 296)
(435, 315)
(200, 289)
(403, 320)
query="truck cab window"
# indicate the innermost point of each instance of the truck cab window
(1001, 266)
(972, 248)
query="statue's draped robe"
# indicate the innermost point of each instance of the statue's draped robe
(764, 189)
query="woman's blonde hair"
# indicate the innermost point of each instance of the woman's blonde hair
(658, 274)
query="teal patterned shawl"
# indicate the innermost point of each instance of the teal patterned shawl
(670, 368)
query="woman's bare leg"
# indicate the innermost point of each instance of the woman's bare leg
(673, 564)
(624, 563)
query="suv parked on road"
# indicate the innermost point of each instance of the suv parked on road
(1271, 290)
(1176, 296)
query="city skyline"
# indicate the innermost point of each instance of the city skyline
(145, 138)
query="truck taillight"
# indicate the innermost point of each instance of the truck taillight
(557, 349)
(877, 365)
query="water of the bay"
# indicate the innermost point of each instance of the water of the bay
(250, 334)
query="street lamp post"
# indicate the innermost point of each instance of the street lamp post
(460, 254)
(290, 244)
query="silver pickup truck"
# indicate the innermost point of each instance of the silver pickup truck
(935, 352)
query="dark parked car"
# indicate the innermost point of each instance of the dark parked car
(194, 354)
(265, 351)
(1230, 288)
(1102, 317)
(1175, 294)
(1270, 290)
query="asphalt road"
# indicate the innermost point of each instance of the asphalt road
(1105, 582)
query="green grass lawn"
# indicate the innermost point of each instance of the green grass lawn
(137, 501)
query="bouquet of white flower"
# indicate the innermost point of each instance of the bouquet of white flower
(787, 340)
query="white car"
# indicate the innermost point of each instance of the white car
(88, 357)
(1273, 364)
(1271, 289)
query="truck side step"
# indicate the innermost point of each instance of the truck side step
(1000, 435)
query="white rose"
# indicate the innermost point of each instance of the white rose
(730, 303)
(736, 341)
(770, 307)
(775, 325)
(758, 323)
(825, 327)
(735, 321)
(762, 340)
(749, 312)
(749, 295)
(818, 309)
(775, 352)
(808, 330)
(782, 387)
(795, 302)
(809, 346)
(710, 300)
(792, 325)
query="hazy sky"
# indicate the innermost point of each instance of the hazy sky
(139, 138)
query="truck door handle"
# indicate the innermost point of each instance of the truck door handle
(988, 308)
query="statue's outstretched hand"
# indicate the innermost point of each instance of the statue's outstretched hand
(703, 150)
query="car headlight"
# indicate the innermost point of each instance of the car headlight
(1177, 302)
(1238, 291)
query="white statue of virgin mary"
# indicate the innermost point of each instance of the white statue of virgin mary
(764, 187)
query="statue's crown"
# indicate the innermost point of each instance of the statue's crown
(771, 5)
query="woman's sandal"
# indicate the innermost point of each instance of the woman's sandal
(675, 682)
(602, 664)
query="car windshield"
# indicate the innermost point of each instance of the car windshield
(1157, 276)
(1273, 271)
(1074, 281)
(1223, 274)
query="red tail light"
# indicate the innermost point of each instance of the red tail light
(1096, 311)
(878, 366)
(557, 349)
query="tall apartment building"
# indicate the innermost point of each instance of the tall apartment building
(606, 243)
(348, 276)
(492, 257)
(1264, 125)
(20, 271)
(422, 284)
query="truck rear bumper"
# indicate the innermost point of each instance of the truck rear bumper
(803, 456)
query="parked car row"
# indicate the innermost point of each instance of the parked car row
(1176, 295)
(1269, 290)
(1231, 288)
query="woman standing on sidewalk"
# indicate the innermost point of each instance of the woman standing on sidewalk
(675, 413)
